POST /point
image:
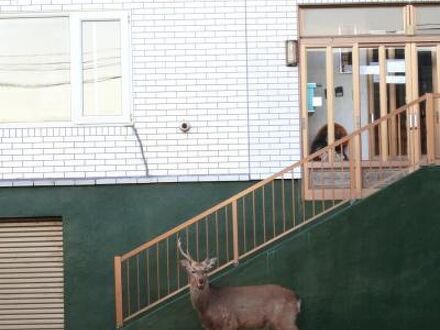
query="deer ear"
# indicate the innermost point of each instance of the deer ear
(185, 264)
(210, 263)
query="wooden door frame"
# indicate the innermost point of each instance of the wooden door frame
(412, 91)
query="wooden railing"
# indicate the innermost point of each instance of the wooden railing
(350, 168)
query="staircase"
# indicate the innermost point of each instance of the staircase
(378, 154)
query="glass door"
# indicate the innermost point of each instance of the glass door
(384, 73)
(345, 88)
(327, 110)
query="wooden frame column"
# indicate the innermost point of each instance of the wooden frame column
(370, 115)
(392, 104)
(436, 104)
(416, 108)
(383, 103)
(412, 93)
(304, 116)
(357, 150)
(330, 99)
(303, 100)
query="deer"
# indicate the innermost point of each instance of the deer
(238, 308)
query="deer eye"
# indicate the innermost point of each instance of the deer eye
(193, 271)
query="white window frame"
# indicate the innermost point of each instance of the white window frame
(76, 20)
(76, 70)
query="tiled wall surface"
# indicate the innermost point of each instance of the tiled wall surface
(218, 65)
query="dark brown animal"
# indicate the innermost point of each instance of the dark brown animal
(320, 141)
(233, 308)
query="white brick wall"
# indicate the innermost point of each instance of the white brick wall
(218, 65)
(273, 88)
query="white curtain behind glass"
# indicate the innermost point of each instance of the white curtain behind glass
(101, 47)
(34, 69)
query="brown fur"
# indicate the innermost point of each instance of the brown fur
(320, 141)
(239, 308)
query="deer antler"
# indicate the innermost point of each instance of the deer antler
(186, 255)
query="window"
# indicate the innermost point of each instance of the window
(64, 69)
(34, 70)
(427, 20)
(352, 21)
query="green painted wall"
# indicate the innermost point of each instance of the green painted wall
(103, 221)
(373, 265)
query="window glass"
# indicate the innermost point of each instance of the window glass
(34, 69)
(343, 91)
(427, 20)
(316, 99)
(370, 99)
(101, 64)
(352, 21)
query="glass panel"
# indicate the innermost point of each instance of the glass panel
(34, 70)
(101, 46)
(426, 59)
(370, 102)
(343, 92)
(396, 96)
(352, 21)
(427, 20)
(316, 99)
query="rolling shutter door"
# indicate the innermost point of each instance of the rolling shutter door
(31, 275)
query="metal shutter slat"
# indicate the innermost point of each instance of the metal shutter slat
(36, 326)
(31, 301)
(4, 250)
(46, 254)
(17, 265)
(30, 307)
(10, 286)
(30, 244)
(26, 311)
(32, 239)
(29, 229)
(32, 223)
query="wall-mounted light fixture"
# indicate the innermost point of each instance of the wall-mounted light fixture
(291, 52)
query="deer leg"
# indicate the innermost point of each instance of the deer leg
(286, 320)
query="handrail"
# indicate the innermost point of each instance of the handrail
(274, 207)
(270, 178)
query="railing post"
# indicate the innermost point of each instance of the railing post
(358, 165)
(430, 134)
(410, 136)
(118, 291)
(383, 127)
(356, 155)
(235, 231)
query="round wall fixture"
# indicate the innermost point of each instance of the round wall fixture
(184, 126)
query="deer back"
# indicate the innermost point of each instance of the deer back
(249, 307)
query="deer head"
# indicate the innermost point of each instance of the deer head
(252, 307)
(197, 271)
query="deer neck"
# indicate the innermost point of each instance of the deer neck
(200, 298)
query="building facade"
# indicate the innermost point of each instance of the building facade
(218, 67)
(121, 118)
